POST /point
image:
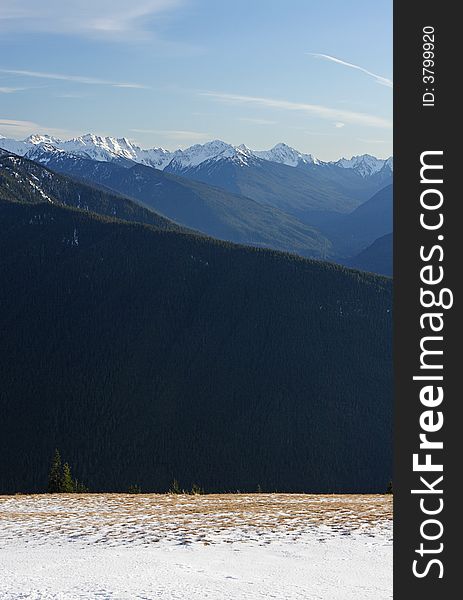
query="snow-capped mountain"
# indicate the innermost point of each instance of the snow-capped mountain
(365, 164)
(197, 154)
(389, 163)
(241, 155)
(91, 146)
(15, 146)
(98, 147)
(285, 155)
(108, 149)
(210, 153)
(37, 139)
(48, 154)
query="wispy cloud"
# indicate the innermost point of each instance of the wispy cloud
(176, 134)
(382, 80)
(339, 125)
(318, 133)
(72, 78)
(368, 141)
(19, 129)
(83, 17)
(71, 96)
(257, 121)
(316, 110)
(11, 90)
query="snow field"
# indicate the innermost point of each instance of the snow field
(256, 546)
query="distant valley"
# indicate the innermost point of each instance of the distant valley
(280, 198)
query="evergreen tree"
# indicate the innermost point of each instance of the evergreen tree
(196, 489)
(134, 489)
(389, 489)
(80, 488)
(55, 476)
(175, 488)
(67, 483)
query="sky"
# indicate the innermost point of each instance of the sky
(316, 75)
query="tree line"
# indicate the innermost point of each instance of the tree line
(60, 480)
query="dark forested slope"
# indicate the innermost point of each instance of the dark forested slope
(146, 354)
(211, 210)
(24, 180)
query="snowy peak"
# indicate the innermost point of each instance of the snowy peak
(158, 158)
(37, 139)
(284, 154)
(197, 154)
(364, 164)
(109, 149)
(240, 155)
(389, 163)
(44, 153)
(15, 146)
(214, 151)
(101, 148)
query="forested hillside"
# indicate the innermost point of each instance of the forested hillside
(146, 355)
(23, 180)
(211, 210)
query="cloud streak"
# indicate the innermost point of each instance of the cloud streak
(315, 110)
(175, 134)
(257, 121)
(10, 90)
(17, 128)
(378, 78)
(367, 141)
(72, 78)
(83, 17)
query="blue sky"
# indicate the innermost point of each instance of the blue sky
(316, 75)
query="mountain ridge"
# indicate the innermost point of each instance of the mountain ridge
(107, 148)
(160, 196)
(376, 258)
(22, 179)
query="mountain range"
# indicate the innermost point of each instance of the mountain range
(23, 180)
(108, 148)
(280, 198)
(190, 204)
(148, 352)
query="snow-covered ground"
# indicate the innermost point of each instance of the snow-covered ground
(213, 547)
